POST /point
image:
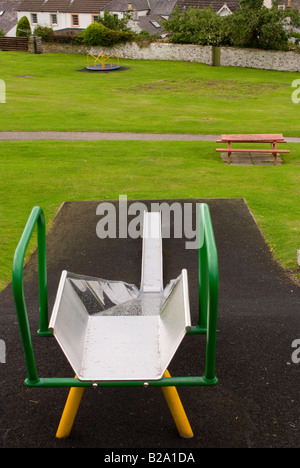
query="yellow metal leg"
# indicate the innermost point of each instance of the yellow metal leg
(171, 396)
(177, 410)
(69, 413)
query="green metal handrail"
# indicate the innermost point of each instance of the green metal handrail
(36, 218)
(208, 307)
(208, 289)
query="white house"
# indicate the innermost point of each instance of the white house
(61, 14)
(122, 7)
(146, 15)
(79, 14)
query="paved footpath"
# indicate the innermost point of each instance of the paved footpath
(94, 136)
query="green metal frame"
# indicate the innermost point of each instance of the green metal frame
(208, 308)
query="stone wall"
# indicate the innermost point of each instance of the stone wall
(227, 56)
(263, 59)
(56, 47)
(162, 51)
(154, 51)
(35, 45)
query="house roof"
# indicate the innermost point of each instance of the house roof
(216, 4)
(122, 5)
(155, 7)
(150, 23)
(63, 6)
(9, 16)
(162, 7)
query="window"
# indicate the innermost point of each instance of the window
(34, 18)
(281, 7)
(94, 18)
(53, 18)
(75, 20)
(155, 24)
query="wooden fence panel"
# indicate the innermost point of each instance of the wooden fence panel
(14, 44)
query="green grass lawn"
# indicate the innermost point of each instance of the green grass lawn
(48, 173)
(47, 92)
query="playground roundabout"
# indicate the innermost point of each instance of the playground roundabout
(103, 63)
(106, 69)
(255, 402)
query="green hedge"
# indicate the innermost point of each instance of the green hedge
(96, 34)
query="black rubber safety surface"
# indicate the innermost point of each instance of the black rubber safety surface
(256, 403)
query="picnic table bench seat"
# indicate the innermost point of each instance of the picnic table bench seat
(273, 139)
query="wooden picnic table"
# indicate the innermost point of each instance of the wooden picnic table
(272, 138)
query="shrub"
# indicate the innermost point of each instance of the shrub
(78, 39)
(94, 34)
(44, 32)
(144, 38)
(296, 37)
(1, 33)
(97, 34)
(23, 27)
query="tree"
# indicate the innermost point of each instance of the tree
(195, 26)
(111, 21)
(23, 27)
(254, 25)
